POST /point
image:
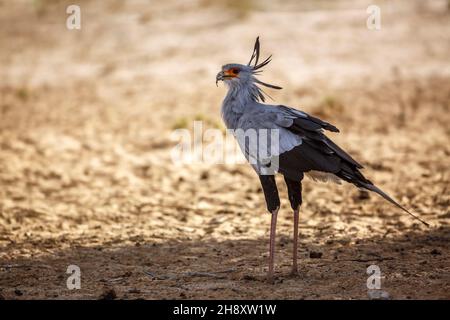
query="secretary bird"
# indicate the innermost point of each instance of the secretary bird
(299, 147)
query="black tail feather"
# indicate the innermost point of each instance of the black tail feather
(355, 177)
(375, 189)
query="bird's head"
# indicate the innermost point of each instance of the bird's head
(234, 74)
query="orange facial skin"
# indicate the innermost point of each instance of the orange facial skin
(231, 73)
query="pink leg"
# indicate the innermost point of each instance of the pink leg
(294, 255)
(273, 227)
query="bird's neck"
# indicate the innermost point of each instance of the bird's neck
(242, 94)
(235, 102)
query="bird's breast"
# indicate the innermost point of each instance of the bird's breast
(230, 117)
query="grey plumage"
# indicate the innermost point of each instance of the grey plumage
(296, 145)
(302, 145)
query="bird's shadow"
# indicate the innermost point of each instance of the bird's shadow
(413, 264)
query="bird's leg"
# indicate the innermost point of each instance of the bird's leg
(273, 229)
(295, 198)
(294, 270)
(269, 187)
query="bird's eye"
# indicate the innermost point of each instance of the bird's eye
(235, 71)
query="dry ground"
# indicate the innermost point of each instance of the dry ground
(86, 175)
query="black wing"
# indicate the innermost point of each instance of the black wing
(317, 151)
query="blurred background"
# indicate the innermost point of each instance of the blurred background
(86, 177)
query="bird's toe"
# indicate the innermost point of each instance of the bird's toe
(294, 273)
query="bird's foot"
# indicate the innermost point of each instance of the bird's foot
(294, 272)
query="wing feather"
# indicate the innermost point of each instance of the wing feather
(302, 145)
(311, 128)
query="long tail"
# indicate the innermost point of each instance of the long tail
(375, 189)
(353, 175)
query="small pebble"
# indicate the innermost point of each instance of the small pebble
(435, 252)
(315, 255)
(248, 278)
(108, 295)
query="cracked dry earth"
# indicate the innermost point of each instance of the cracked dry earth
(86, 175)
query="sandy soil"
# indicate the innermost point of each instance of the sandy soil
(86, 176)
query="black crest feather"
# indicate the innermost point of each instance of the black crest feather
(257, 67)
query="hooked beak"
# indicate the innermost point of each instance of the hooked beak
(219, 77)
